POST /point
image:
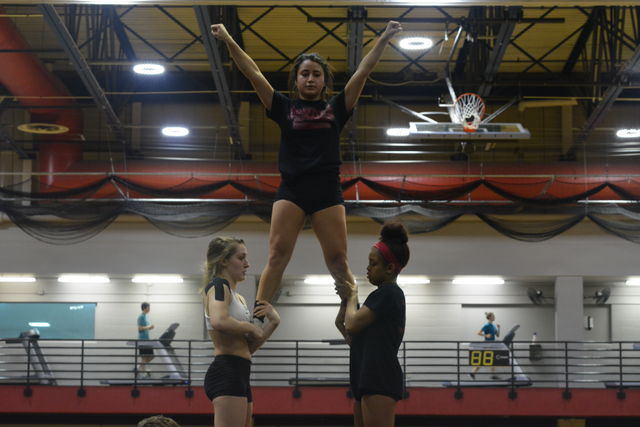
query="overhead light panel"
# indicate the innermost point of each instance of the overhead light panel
(628, 133)
(416, 43)
(157, 278)
(398, 132)
(17, 278)
(83, 278)
(175, 131)
(413, 280)
(320, 279)
(633, 281)
(39, 324)
(478, 280)
(148, 69)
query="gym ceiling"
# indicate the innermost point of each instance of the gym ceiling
(542, 56)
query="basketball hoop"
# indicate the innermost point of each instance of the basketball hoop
(469, 109)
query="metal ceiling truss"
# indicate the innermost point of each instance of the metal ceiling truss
(204, 16)
(249, 27)
(500, 44)
(95, 20)
(328, 32)
(82, 68)
(196, 37)
(123, 38)
(355, 32)
(581, 43)
(609, 49)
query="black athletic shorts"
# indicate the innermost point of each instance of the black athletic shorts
(145, 351)
(386, 382)
(312, 193)
(228, 376)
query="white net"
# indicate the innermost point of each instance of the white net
(469, 109)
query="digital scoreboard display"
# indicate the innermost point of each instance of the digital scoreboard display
(488, 357)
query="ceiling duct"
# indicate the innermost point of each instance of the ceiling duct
(26, 78)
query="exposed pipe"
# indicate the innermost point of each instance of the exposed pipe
(24, 75)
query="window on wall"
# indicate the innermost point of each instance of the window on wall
(53, 320)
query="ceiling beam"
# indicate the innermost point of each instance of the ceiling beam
(500, 45)
(82, 68)
(121, 34)
(581, 43)
(203, 17)
(357, 16)
(621, 80)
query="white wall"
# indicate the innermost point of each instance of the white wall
(437, 311)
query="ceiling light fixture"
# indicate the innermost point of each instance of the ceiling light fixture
(413, 280)
(628, 133)
(320, 279)
(17, 278)
(633, 281)
(39, 324)
(416, 43)
(148, 69)
(478, 280)
(175, 131)
(157, 278)
(398, 132)
(83, 278)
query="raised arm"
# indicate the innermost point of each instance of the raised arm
(354, 86)
(246, 65)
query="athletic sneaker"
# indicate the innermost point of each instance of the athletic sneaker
(495, 377)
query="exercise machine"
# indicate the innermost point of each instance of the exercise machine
(491, 354)
(39, 372)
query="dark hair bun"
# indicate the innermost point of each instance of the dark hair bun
(394, 232)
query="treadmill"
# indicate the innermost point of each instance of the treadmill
(499, 353)
(39, 372)
(166, 357)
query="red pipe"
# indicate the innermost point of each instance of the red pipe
(24, 75)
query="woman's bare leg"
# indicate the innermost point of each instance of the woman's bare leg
(230, 411)
(378, 410)
(287, 220)
(330, 226)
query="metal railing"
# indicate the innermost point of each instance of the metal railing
(300, 363)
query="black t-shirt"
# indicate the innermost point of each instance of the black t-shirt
(309, 134)
(374, 350)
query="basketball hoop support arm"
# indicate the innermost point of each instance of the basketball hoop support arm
(406, 110)
(499, 111)
(447, 78)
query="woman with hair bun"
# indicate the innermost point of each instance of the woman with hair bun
(375, 331)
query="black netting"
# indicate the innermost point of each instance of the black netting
(523, 227)
(60, 223)
(67, 216)
(449, 192)
(416, 219)
(544, 201)
(84, 191)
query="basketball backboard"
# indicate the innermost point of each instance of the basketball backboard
(486, 131)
